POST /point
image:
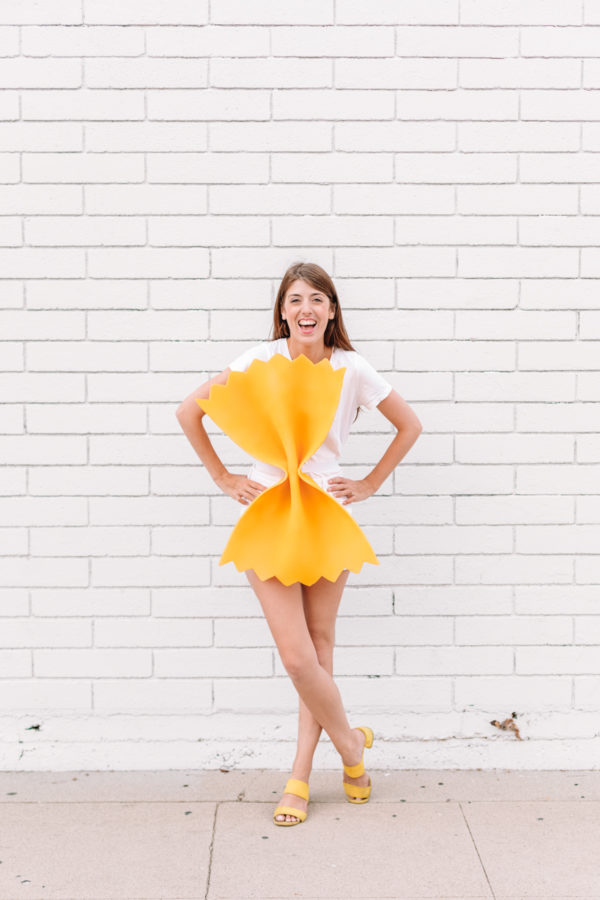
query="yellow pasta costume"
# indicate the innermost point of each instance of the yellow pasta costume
(280, 412)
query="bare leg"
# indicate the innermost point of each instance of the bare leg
(321, 603)
(284, 609)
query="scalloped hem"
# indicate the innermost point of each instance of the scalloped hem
(331, 575)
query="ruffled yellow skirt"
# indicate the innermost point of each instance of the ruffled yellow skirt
(280, 412)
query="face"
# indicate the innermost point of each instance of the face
(307, 312)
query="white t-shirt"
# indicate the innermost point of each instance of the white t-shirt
(362, 386)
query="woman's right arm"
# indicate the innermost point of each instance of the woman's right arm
(189, 416)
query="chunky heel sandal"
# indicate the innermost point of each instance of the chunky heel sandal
(300, 788)
(359, 793)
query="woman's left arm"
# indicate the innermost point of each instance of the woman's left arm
(408, 428)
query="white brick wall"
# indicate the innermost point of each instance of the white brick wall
(161, 164)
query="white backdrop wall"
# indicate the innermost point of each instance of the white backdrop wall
(161, 166)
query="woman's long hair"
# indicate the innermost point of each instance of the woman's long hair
(335, 333)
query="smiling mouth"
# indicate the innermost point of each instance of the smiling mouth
(307, 326)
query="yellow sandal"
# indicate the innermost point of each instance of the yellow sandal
(359, 793)
(300, 788)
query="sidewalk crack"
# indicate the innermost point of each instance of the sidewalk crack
(210, 851)
(460, 806)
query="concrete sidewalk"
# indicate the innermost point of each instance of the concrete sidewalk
(178, 835)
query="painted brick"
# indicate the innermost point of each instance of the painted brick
(161, 168)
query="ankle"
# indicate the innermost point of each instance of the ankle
(351, 755)
(302, 774)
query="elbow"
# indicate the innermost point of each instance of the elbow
(413, 429)
(188, 409)
(417, 424)
(182, 411)
(414, 426)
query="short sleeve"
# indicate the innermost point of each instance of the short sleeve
(371, 387)
(241, 362)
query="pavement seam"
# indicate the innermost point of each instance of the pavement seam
(210, 850)
(465, 820)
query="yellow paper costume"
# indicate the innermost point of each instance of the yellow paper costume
(280, 412)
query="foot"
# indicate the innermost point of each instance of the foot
(363, 779)
(292, 800)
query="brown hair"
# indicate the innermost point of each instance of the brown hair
(335, 333)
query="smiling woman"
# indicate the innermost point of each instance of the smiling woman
(305, 309)
(300, 606)
(307, 321)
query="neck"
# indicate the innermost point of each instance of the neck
(314, 352)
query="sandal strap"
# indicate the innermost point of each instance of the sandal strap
(297, 787)
(368, 733)
(290, 811)
(355, 771)
(359, 768)
(357, 790)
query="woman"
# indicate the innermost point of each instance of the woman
(307, 319)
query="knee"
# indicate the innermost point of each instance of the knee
(323, 642)
(298, 663)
